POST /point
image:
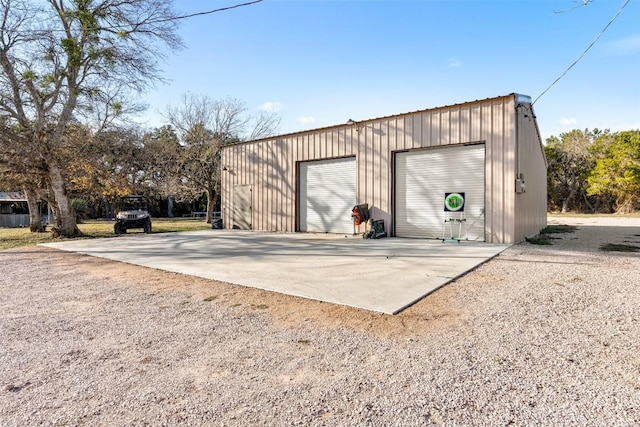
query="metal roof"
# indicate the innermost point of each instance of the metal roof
(12, 196)
(352, 122)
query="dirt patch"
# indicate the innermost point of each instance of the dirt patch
(436, 311)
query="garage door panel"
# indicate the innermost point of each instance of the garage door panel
(327, 190)
(422, 179)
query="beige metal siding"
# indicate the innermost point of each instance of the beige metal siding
(270, 165)
(531, 206)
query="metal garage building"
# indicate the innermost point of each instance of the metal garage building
(404, 166)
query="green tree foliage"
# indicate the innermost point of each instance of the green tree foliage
(616, 174)
(570, 161)
(594, 171)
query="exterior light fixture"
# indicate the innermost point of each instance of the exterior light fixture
(352, 122)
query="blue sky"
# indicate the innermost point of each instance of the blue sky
(320, 63)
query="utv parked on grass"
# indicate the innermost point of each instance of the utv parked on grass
(132, 212)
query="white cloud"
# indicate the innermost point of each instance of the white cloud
(568, 122)
(454, 63)
(306, 120)
(271, 107)
(629, 44)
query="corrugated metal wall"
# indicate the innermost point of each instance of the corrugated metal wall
(14, 220)
(270, 165)
(531, 206)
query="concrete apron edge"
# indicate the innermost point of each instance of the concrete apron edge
(448, 281)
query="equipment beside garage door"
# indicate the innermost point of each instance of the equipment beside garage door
(327, 193)
(423, 177)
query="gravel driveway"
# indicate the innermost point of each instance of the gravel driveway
(540, 335)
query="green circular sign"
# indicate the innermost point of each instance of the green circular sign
(454, 202)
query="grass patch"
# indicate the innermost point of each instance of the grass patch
(210, 298)
(20, 237)
(304, 341)
(544, 237)
(261, 307)
(615, 247)
(558, 229)
(540, 239)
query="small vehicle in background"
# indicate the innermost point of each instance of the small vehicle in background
(132, 212)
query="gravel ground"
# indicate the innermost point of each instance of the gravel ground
(540, 335)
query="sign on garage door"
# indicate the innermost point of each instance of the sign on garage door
(423, 177)
(327, 193)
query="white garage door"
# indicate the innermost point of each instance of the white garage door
(423, 177)
(327, 195)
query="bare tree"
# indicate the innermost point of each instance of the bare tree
(204, 126)
(64, 59)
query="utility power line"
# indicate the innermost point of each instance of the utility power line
(208, 12)
(585, 51)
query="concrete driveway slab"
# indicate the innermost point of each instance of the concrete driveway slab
(385, 275)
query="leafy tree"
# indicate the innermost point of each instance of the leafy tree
(617, 171)
(105, 166)
(11, 181)
(20, 173)
(163, 150)
(570, 161)
(68, 60)
(205, 125)
(99, 168)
